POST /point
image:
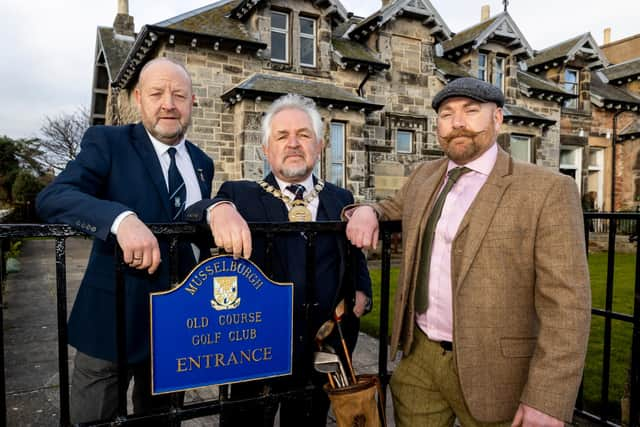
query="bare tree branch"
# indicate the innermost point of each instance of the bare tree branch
(61, 136)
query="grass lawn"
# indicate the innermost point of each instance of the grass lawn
(621, 331)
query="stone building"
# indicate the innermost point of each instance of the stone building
(373, 79)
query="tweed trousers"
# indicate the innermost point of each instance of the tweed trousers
(426, 390)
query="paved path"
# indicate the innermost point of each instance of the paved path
(31, 342)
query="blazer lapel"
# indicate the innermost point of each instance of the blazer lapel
(142, 144)
(424, 195)
(481, 212)
(275, 211)
(198, 167)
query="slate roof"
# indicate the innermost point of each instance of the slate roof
(476, 35)
(469, 35)
(210, 20)
(450, 69)
(534, 83)
(116, 47)
(605, 95)
(352, 50)
(515, 113)
(619, 72)
(271, 87)
(565, 49)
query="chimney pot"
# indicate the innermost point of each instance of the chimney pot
(485, 12)
(607, 35)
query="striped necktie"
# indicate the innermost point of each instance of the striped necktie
(297, 190)
(177, 189)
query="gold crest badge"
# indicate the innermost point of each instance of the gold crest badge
(225, 293)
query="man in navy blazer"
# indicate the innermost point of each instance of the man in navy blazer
(120, 181)
(292, 142)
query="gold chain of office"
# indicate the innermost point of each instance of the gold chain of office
(298, 209)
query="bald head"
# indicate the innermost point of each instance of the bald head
(164, 97)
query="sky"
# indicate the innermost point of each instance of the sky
(46, 65)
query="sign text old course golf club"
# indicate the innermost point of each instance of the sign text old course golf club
(227, 322)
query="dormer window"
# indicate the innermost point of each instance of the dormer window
(279, 36)
(482, 66)
(498, 72)
(307, 41)
(571, 83)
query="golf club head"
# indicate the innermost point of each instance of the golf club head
(339, 311)
(325, 330)
(323, 361)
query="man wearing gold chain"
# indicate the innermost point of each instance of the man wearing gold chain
(292, 137)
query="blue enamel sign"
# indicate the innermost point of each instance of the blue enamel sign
(227, 322)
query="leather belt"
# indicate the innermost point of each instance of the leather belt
(446, 345)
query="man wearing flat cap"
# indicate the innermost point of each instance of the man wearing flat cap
(493, 300)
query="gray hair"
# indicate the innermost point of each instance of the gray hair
(295, 102)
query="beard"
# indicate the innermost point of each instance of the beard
(463, 153)
(295, 171)
(169, 135)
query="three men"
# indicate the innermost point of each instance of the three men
(292, 142)
(123, 177)
(493, 303)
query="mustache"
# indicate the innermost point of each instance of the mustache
(457, 133)
(292, 153)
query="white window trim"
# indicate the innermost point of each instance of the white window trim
(499, 70)
(572, 102)
(311, 37)
(484, 68)
(332, 161)
(577, 166)
(411, 138)
(529, 147)
(600, 169)
(284, 31)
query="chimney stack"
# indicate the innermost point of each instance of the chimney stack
(485, 12)
(123, 24)
(607, 35)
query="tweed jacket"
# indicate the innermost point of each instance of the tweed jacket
(520, 284)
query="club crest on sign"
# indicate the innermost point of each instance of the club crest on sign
(225, 293)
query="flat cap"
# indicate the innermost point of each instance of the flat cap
(468, 87)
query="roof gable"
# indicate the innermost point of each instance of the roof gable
(624, 72)
(115, 48)
(500, 29)
(534, 86)
(244, 8)
(417, 9)
(581, 46)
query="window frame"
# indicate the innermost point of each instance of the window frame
(411, 140)
(573, 87)
(287, 35)
(482, 70)
(499, 71)
(529, 139)
(332, 162)
(313, 37)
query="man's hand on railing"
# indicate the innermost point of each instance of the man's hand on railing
(362, 228)
(230, 231)
(139, 246)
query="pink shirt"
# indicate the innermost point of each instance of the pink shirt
(437, 322)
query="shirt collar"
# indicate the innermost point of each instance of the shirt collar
(483, 164)
(308, 183)
(161, 147)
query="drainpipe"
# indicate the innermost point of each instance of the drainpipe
(614, 136)
(361, 87)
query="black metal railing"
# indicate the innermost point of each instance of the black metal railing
(615, 224)
(179, 412)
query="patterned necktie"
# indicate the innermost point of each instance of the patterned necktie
(297, 190)
(422, 286)
(177, 189)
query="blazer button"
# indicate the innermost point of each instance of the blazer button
(93, 229)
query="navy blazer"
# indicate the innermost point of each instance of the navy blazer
(116, 170)
(333, 278)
